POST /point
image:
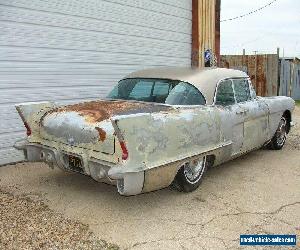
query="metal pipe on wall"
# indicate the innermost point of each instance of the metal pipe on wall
(205, 30)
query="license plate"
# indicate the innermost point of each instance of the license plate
(75, 162)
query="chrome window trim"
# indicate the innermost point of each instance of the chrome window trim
(231, 79)
(251, 87)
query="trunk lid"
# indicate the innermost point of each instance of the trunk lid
(87, 125)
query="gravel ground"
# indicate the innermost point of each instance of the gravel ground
(26, 223)
(258, 193)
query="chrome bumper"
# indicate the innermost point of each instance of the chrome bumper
(127, 183)
(97, 169)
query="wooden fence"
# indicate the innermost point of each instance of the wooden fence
(262, 69)
(290, 78)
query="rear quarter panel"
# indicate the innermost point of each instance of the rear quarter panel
(161, 138)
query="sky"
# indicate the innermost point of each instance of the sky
(275, 26)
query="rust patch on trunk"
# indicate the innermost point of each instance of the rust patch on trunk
(102, 134)
(97, 111)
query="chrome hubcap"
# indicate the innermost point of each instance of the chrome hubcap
(193, 170)
(281, 132)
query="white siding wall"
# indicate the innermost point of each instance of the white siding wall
(73, 50)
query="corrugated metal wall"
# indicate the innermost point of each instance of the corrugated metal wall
(262, 69)
(74, 50)
(290, 79)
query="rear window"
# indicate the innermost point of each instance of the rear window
(185, 94)
(146, 90)
(157, 90)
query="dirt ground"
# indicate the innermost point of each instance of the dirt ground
(258, 193)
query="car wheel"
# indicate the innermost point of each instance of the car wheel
(190, 175)
(279, 138)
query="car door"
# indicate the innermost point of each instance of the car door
(262, 113)
(254, 113)
(232, 116)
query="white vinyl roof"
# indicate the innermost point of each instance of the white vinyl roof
(205, 79)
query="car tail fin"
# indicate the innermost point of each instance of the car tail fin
(32, 112)
(121, 139)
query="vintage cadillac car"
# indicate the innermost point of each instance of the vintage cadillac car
(157, 127)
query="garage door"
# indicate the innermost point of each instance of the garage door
(76, 50)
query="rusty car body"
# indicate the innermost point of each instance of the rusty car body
(190, 120)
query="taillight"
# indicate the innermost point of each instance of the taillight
(124, 150)
(28, 132)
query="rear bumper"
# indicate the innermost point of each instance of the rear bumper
(102, 171)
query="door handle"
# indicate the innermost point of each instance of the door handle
(244, 111)
(240, 112)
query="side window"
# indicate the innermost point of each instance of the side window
(225, 94)
(241, 89)
(185, 94)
